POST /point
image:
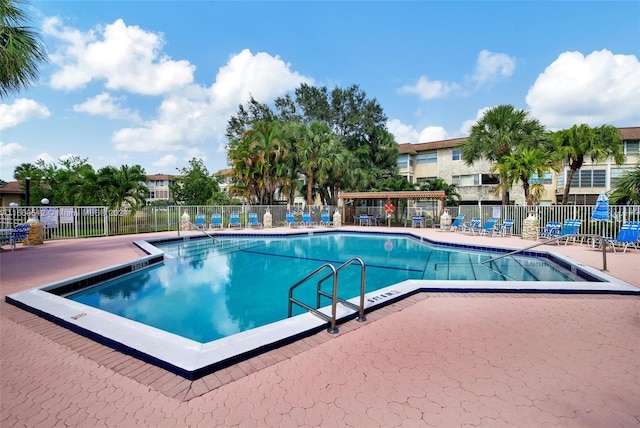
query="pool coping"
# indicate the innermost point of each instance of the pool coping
(192, 360)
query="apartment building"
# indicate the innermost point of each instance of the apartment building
(478, 185)
(158, 185)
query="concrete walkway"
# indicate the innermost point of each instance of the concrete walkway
(440, 359)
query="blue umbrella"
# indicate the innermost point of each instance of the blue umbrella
(601, 211)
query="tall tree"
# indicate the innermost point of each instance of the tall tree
(195, 186)
(452, 197)
(580, 142)
(122, 187)
(628, 188)
(498, 133)
(314, 155)
(21, 50)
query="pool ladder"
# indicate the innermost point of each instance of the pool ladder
(333, 296)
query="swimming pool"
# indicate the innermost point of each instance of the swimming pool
(405, 265)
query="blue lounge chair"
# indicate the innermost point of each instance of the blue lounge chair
(473, 226)
(325, 219)
(627, 237)
(306, 219)
(551, 230)
(216, 221)
(234, 220)
(505, 228)
(200, 221)
(457, 223)
(489, 226)
(569, 227)
(291, 220)
(254, 221)
(18, 234)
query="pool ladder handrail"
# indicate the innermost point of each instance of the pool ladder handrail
(334, 296)
(557, 238)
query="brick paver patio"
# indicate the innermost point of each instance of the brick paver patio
(434, 359)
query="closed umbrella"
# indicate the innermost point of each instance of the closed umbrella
(601, 211)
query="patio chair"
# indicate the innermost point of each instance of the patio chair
(569, 227)
(489, 227)
(234, 220)
(416, 221)
(364, 220)
(474, 225)
(325, 219)
(505, 228)
(627, 237)
(18, 234)
(306, 219)
(291, 220)
(457, 223)
(551, 229)
(254, 221)
(200, 221)
(216, 221)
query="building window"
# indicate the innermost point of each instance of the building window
(455, 155)
(403, 161)
(490, 179)
(632, 148)
(589, 178)
(466, 180)
(431, 157)
(546, 178)
(617, 174)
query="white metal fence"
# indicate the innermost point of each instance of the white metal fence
(81, 222)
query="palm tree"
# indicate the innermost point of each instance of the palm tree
(313, 156)
(498, 133)
(450, 190)
(581, 141)
(21, 51)
(124, 186)
(628, 188)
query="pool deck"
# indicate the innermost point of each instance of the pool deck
(433, 359)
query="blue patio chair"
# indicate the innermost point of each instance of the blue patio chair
(505, 228)
(216, 221)
(569, 227)
(200, 221)
(325, 219)
(291, 219)
(416, 221)
(628, 236)
(234, 220)
(306, 219)
(473, 226)
(489, 227)
(18, 234)
(364, 220)
(254, 221)
(457, 223)
(551, 229)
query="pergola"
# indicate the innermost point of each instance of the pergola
(387, 196)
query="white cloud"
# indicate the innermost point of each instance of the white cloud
(491, 65)
(433, 133)
(166, 161)
(20, 111)
(125, 57)
(430, 89)
(404, 134)
(465, 129)
(595, 89)
(106, 105)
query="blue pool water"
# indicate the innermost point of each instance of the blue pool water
(214, 289)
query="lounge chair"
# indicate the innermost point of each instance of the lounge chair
(473, 226)
(234, 220)
(200, 221)
(457, 223)
(551, 230)
(216, 221)
(18, 234)
(627, 237)
(489, 226)
(325, 219)
(254, 221)
(306, 219)
(291, 220)
(505, 227)
(569, 227)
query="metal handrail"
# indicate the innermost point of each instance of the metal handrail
(332, 329)
(556, 238)
(363, 275)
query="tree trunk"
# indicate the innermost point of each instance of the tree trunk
(567, 186)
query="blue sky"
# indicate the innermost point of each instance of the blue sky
(155, 82)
